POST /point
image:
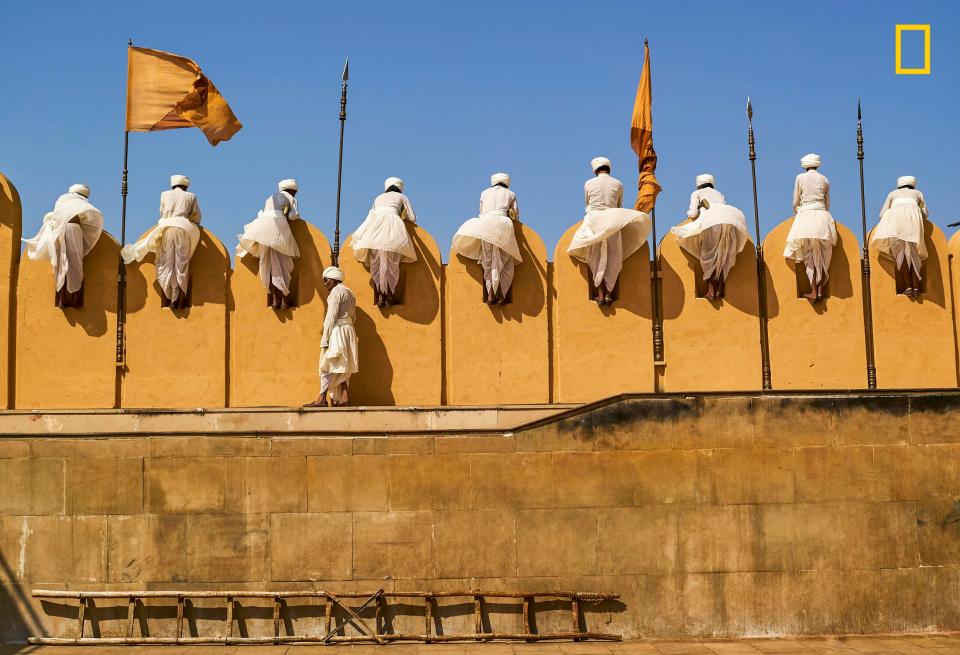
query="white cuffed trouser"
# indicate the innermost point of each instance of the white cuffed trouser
(718, 250)
(275, 269)
(385, 270)
(173, 262)
(69, 267)
(605, 260)
(498, 268)
(333, 384)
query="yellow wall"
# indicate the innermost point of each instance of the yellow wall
(66, 357)
(400, 347)
(498, 354)
(275, 354)
(10, 221)
(914, 336)
(816, 346)
(709, 345)
(613, 340)
(177, 358)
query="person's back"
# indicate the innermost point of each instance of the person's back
(812, 188)
(284, 203)
(603, 191)
(342, 300)
(906, 193)
(179, 202)
(498, 198)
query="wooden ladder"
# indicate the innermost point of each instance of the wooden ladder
(331, 603)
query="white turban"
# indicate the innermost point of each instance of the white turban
(393, 181)
(705, 178)
(288, 185)
(333, 273)
(597, 162)
(178, 180)
(906, 180)
(500, 178)
(810, 161)
(82, 189)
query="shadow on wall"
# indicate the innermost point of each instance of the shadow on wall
(741, 287)
(18, 619)
(528, 294)
(203, 288)
(839, 286)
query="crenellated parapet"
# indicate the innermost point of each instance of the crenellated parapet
(441, 345)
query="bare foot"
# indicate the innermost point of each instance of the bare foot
(812, 296)
(608, 300)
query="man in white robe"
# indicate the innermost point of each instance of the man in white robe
(339, 353)
(608, 234)
(269, 239)
(814, 232)
(900, 235)
(715, 234)
(174, 241)
(382, 241)
(490, 239)
(67, 236)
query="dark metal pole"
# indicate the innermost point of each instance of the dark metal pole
(122, 271)
(343, 121)
(865, 265)
(655, 294)
(761, 267)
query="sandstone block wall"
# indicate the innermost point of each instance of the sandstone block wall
(711, 515)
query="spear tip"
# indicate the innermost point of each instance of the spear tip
(130, 43)
(346, 70)
(645, 44)
(749, 109)
(859, 115)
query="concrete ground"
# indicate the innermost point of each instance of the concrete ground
(859, 645)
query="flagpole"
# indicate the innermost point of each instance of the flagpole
(761, 267)
(343, 120)
(122, 272)
(865, 265)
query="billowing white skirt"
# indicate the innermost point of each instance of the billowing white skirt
(137, 251)
(341, 355)
(598, 226)
(902, 222)
(383, 229)
(688, 234)
(495, 228)
(812, 222)
(44, 244)
(268, 230)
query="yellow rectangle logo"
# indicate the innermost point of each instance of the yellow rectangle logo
(926, 50)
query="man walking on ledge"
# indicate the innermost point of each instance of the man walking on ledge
(339, 355)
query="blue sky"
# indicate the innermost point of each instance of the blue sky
(444, 93)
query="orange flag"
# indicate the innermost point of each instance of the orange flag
(166, 92)
(641, 138)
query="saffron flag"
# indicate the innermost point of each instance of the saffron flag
(167, 92)
(641, 138)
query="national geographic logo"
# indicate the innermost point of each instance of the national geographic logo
(926, 50)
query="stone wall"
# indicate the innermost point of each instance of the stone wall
(712, 515)
(442, 346)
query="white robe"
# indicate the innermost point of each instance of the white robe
(382, 241)
(65, 244)
(900, 233)
(490, 238)
(814, 232)
(269, 239)
(715, 235)
(174, 241)
(339, 352)
(608, 234)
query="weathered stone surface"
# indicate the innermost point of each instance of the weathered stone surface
(475, 543)
(310, 547)
(521, 480)
(147, 548)
(229, 547)
(356, 483)
(104, 486)
(556, 541)
(399, 544)
(267, 484)
(31, 486)
(185, 484)
(429, 482)
(60, 548)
